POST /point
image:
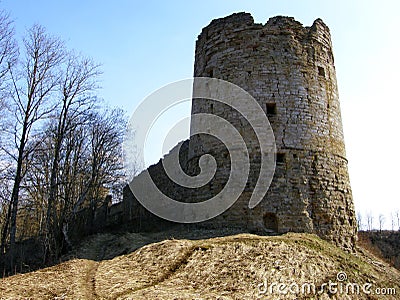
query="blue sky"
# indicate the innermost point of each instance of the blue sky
(144, 45)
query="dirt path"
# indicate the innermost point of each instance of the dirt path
(89, 285)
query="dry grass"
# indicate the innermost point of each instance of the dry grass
(229, 267)
(68, 280)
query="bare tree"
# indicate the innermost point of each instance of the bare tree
(8, 58)
(370, 220)
(392, 219)
(106, 131)
(70, 175)
(398, 219)
(63, 152)
(32, 93)
(76, 87)
(8, 54)
(89, 167)
(381, 221)
(359, 221)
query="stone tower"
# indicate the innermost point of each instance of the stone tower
(289, 69)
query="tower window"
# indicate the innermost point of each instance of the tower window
(321, 71)
(280, 158)
(271, 109)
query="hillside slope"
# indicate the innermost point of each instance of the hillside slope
(385, 244)
(242, 266)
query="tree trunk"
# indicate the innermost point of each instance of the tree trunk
(15, 196)
(5, 230)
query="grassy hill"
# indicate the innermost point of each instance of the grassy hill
(242, 266)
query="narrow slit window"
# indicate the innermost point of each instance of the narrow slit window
(271, 109)
(321, 71)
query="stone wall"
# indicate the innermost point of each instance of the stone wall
(289, 69)
(88, 220)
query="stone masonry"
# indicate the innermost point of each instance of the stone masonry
(289, 69)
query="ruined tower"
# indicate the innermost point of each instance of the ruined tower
(289, 69)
